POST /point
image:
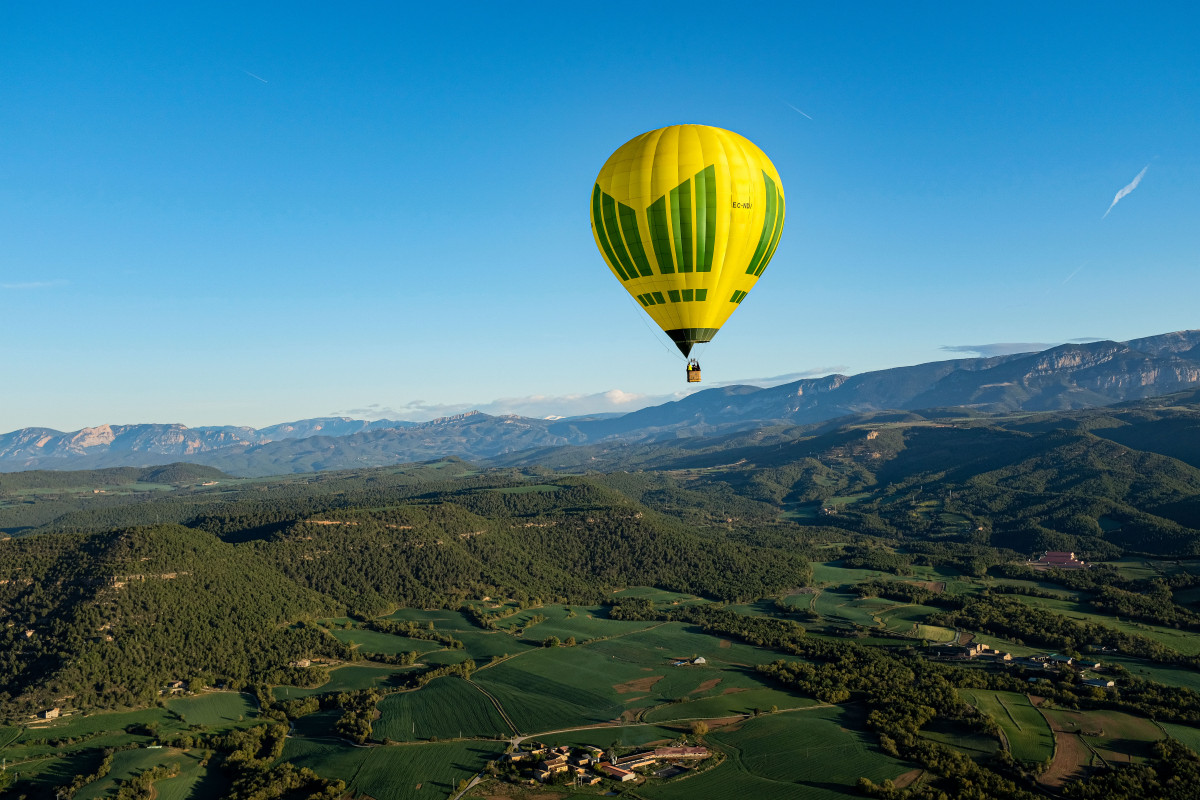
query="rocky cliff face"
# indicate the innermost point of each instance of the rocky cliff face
(1068, 377)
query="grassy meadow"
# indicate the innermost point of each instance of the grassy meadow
(446, 708)
(1029, 736)
(807, 754)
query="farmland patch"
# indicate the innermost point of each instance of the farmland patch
(446, 708)
(1029, 736)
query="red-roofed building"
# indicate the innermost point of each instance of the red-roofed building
(1059, 560)
(616, 773)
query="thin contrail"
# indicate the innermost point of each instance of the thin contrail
(798, 111)
(1073, 274)
(1132, 185)
(252, 75)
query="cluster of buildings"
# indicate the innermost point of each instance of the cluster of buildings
(589, 765)
(976, 650)
(1058, 559)
(1048, 662)
(1080, 667)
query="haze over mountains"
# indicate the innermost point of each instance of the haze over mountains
(1071, 376)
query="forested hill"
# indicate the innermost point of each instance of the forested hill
(1120, 479)
(177, 473)
(1071, 376)
(106, 618)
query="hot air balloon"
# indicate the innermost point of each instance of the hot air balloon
(687, 217)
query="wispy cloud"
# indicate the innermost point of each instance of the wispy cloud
(999, 348)
(536, 405)
(252, 75)
(541, 406)
(798, 111)
(779, 380)
(33, 285)
(1129, 188)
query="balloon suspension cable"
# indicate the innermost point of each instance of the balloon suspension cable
(642, 316)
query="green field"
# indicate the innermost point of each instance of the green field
(442, 619)
(589, 622)
(910, 619)
(427, 771)
(1183, 677)
(796, 755)
(761, 608)
(907, 619)
(1029, 736)
(51, 765)
(829, 574)
(933, 633)
(800, 601)
(549, 689)
(344, 679)
(972, 743)
(214, 710)
(1042, 586)
(660, 597)
(835, 606)
(1188, 735)
(1116, 737)
(318, 725)
(192, 778)
(1135, 568)
(612, 679)
(483, 645)
(126, 764)
(8, 736)
(45, 772)
(75, 727)
(446, 708)
(727, 705)
(388, 644)
(609, 736)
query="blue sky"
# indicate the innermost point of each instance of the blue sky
(249, 213)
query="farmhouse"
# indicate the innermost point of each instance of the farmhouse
(635, 760)
(51, 713)
(556, 764)
(1059, 560)
(616, 773)
(975, 650)
(1101, 683)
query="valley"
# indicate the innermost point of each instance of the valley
(827, 612)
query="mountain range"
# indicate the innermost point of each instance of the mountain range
(1070, 376)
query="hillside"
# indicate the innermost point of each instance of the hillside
(783, 585)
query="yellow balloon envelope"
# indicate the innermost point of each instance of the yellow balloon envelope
(687, 217)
